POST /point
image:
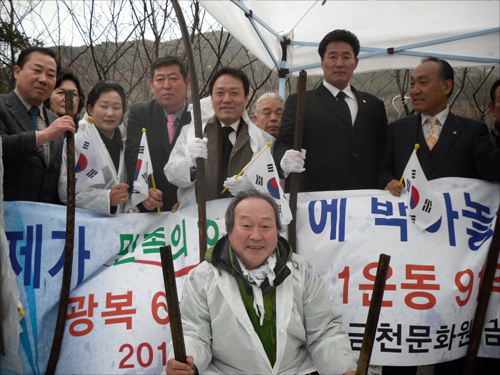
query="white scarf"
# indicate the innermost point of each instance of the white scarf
(256, 277)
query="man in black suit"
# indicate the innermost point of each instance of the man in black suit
(163, 117)
(450, 146)
(344, 129)
(462, 148)
(32, 136)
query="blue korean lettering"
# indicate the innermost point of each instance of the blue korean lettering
(27, 251)
(481, 231)
(337, 211)
(82, 254)
(386, 209)
(13, 237)
(58, 235)
(451, 215)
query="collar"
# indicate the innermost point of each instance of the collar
(178, 113)
(221, 256)
(27, 104)
(234, 125)
(441, 116)
(348, 90)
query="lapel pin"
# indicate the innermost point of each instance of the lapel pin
(454, 132)
(364, 101)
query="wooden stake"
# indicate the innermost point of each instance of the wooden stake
(68, 248)
(297, 146)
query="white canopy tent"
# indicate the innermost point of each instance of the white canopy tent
(284, 35)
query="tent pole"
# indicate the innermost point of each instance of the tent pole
(282, 87)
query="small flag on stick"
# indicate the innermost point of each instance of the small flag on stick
(424, 208)
(263, 174)
(144, 168)
(88, 170)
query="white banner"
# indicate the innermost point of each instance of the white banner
(117, 321)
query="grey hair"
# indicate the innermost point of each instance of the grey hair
(267, 95)
(252, 193)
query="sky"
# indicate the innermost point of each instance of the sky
(41, 19)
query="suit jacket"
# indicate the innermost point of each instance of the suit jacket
(463, 150)
(27, 177)
(150, 115)
(339, 156)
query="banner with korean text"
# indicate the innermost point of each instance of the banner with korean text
(117, 320)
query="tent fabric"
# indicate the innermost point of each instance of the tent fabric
(379, 25)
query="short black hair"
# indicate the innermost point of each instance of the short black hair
(238, 73)
(493, 90)
(245, 194)
(23, 56)
(66, 74)
(103, 87)
(445, 71)
(167, 61)
(339, 35)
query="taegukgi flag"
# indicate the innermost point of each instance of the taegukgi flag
(264, 176)
(144, 168)
(90, 162)
(424, 209)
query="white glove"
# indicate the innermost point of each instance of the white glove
(293, 162)
(197, 149)
(236, 185)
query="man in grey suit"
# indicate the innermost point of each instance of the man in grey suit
(32, 136)
(344, 129)
(163, 118)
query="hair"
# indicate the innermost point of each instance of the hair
(339, 35)
(267, 95)
(493, 90)
(104, 87)
(66, 74)
(167, 61)
(23, 56)
(245, 194)
(238, 73)
(445, 71)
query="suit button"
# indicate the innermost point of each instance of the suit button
(355, 155)
(353, 133)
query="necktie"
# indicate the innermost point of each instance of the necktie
(34, 112)
(432, 135)
(227, 146)
(346, 112)
(171, 126)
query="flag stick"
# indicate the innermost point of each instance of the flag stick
(68, 247)
(484, 298)
(269, 144)
(373, 315)
(200, 163)
(154, 188)
(417, 146)
(297, 145)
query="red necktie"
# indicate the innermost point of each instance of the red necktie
(171, 126)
